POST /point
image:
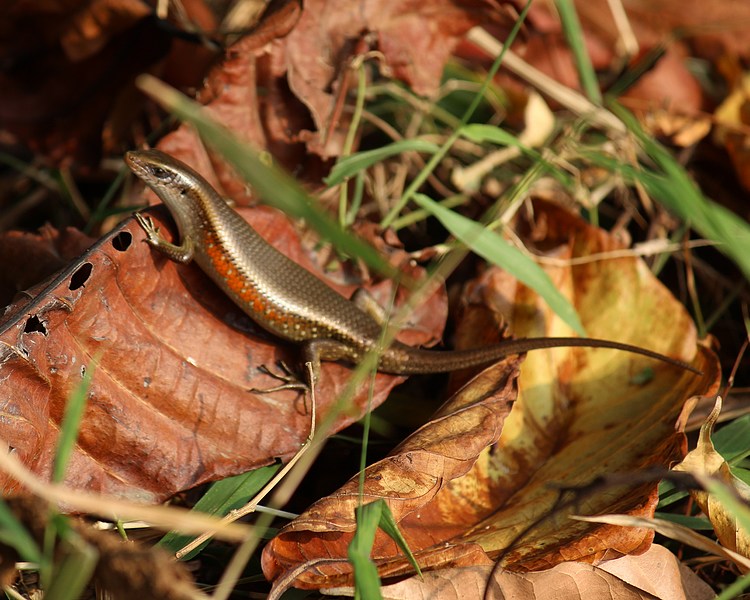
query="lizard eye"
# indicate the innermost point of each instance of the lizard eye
(160, 173)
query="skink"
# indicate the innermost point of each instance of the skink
(286, 299)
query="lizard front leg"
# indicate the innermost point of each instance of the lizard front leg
(182, 254)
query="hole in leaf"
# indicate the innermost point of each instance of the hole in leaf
(81, 276)
(121, 242)
(34, 325)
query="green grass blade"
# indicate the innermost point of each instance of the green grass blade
(369, 518)
(576, 40)
(732, 441)
(742, 474)
(389, 526)
(440, 154)
(222, 497)
(272, 184)
(480, 134)
(73, 572)
(492, 247)
(694, 523)
(14, 534)
(734, 590)
(671, 186)
(637, 70)
(669, 494)
(351, 165)
(366, 580)
(71, 423)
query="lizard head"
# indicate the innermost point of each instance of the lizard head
(176, 184)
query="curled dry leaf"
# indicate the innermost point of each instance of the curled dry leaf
(655, 574)
(170, 405)
(705, 460)
(580, 414)
(677, 532)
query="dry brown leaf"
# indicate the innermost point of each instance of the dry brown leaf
(713, 29)
(305, 75)
(705, 460)
(674, 531)
(170, 405)
(28, 258)
(64, 67)
(669, 84)
(99, 21)
(414, 37)
(733, 117)
(443, 450)
(269, 120)
(655, 574)
(580, 414)
(658, 572)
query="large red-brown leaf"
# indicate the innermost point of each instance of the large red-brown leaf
(170, 405)
(473, 486)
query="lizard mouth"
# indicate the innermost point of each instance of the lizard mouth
(147, 171)
(135, 164)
